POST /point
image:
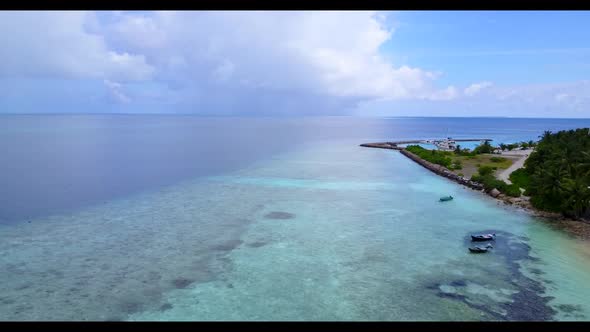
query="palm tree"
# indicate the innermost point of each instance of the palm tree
(559, 172)
(577, 195)
(551, 180)
(584, 165)
(546, 135)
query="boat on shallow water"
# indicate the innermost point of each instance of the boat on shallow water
(446, 198)
(483, 237)
(479, 250)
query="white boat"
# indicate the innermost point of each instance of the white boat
(447, 144)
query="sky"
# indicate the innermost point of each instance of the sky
(302, 63)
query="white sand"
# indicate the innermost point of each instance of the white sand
(523, 154)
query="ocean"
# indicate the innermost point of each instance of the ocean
(179, 217)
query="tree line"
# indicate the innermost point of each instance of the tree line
(557, 174)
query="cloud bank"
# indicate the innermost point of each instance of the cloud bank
(232, 63)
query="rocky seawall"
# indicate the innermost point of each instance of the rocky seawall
(384, 145)
(442, 171)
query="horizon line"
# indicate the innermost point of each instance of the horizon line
(298, 116)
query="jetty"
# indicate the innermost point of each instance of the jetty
(437, 169)
(383, 145)
(442, 171)
(396, 145)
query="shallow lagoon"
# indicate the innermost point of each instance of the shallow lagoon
(329, 231)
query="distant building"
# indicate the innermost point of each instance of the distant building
(447, 144)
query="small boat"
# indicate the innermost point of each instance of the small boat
(447, 198)
(479, 250)
(483, 237)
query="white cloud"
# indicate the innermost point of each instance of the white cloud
(56, 44)
(330, 53)
(249, 62)
(475, 88)
(533, 100)
(116, 93)
(449, 93)
(224, 71)
(561, 97)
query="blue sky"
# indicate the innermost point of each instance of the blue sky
(408, 63)
(506, 47)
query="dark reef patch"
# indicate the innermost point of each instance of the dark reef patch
(165, 306)
(228, 245)
(130, 307)
(7, 300)
(536, 271)
(466, 300)
(279, 215)
(181, 283)
(453, 296)
(569, 308)
(458, 283)
(23, 286)
(528, 303)
(257, 244)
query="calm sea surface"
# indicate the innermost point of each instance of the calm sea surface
(147, 217)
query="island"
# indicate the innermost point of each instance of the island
(549, 178)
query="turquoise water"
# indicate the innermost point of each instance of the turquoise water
(329, 231)
(463, 145)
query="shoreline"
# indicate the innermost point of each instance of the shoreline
(578, 228)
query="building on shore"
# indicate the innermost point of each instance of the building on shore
(447, 144)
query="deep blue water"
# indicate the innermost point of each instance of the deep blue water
(52, 163)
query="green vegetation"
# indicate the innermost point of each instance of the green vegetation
(512, 190)
(512, 146)
(459, 159)
(456, 164)
(485, 170)
(486, 147)
(521, 178)
(434, 156)
(559, 173)
(490, 182)
(463, 152)
(524, 145)
(497, 159)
